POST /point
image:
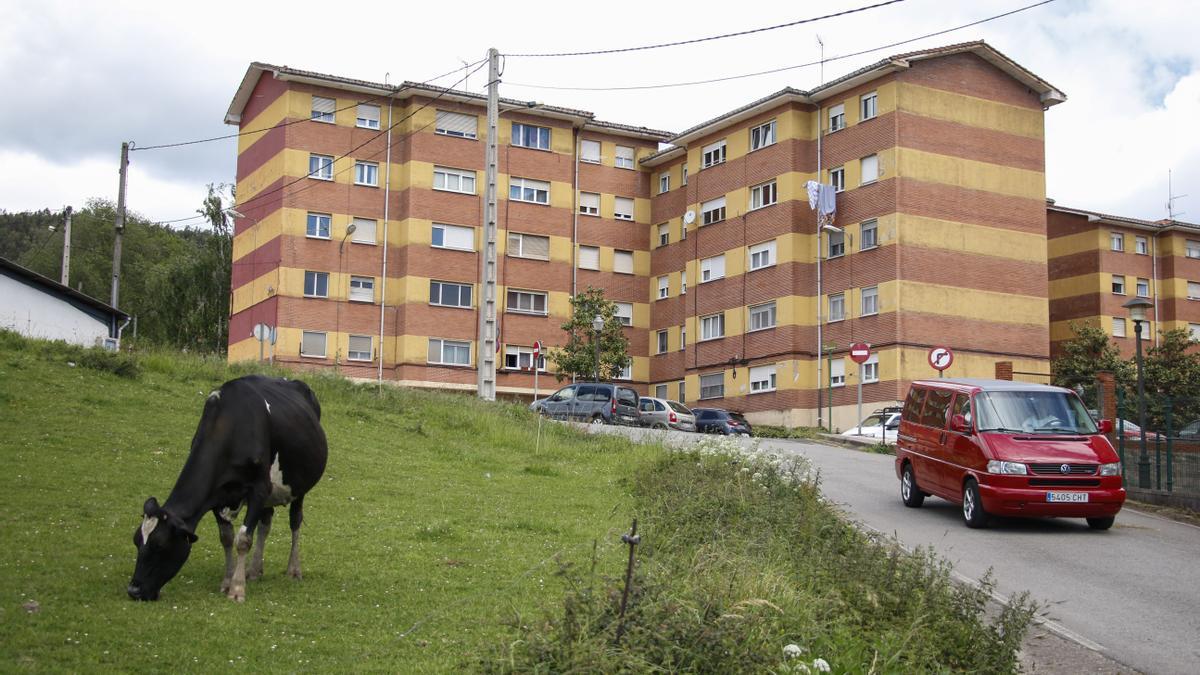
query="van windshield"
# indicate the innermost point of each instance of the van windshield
(1033, 412)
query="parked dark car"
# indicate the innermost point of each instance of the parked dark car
(719, 421)
(595, 403)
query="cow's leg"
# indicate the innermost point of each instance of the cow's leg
(254, 510)
(264, 529)
(226, 529)
(295, 518)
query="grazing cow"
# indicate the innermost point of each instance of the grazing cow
(259, 444)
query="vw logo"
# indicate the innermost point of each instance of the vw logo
(1065, 468)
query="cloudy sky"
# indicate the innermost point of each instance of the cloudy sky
(80, 77)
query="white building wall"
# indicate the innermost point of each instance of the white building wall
(35, 313)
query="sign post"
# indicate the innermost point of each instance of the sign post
(537, 354)
(940, 359)
(859, 353)
(262, 332)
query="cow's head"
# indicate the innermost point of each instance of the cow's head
(163, 543)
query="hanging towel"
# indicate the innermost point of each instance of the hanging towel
(821, 197)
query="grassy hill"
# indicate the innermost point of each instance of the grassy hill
(441, 539)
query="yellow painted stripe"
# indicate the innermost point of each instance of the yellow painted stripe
(1083, 284)
(969, 238)
(1080, 242)
(971, 303)
(970, 174)
(971, 111)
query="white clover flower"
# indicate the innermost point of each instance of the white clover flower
(792, 651)
(821, 666)
(757, 476)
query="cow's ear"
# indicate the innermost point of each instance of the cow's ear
(151, 507)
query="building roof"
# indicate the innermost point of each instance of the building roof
(1138, 223)
(52, 286)
(408, 89)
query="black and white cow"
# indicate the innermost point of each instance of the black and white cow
(259, 444)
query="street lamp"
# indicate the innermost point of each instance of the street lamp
(1137, 311)
(597, 326)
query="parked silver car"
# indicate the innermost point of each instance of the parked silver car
(659, 413)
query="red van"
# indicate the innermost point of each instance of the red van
(1007, 449)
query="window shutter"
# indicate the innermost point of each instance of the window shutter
(364, 231)
(323, 105)
(535, 247)
(459, 237)
(717, 203)
(362, 289)
(623, 206)
(369, 113)
(626, 154)
(590, 201)
(837, 369)
(590, 151)
(313, 344)
(589, 257)
(623, 262)
(457, 124)
(870, 168)
(360, 344)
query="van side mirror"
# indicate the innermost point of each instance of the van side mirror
(959, 423)
(1106, 426)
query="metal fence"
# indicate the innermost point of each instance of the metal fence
(1165, 455)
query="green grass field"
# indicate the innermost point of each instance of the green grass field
(435, 522)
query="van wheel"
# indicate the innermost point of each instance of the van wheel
(972, 507)
(597, 420)
(910, 494)
(1101, 523)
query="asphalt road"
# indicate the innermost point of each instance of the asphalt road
(1131, 593)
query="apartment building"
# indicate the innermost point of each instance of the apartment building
(1098, 262)
(706, 237)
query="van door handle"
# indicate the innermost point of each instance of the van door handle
(942, 440)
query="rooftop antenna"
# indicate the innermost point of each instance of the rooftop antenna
(466, 74)
(1171, 197)
(822, 48)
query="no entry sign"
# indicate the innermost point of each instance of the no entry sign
(860, 352)
(940, 358)
(537, 349)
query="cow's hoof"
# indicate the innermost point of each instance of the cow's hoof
(225, 586)
(254, 575)
(237, 594)
(295, 574)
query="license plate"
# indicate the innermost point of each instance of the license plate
(1069, 497)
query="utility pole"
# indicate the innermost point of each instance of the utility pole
(66, 263)
(120, 228)
(486, 352)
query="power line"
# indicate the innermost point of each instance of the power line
(395, 90)
(784, 68)
(712, 37)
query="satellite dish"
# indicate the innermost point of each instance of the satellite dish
(689, 217)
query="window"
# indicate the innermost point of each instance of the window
(712, 268)
(1194, 331)
(1192, 248)
(368, 118)
(870, 301)
(712, 211)
(762, 135)
(837, 178)
(453, 180)
(837, 117)
(456, 124)
(1118, 284)
(362, 289)
(1193, 290)
(589, 151)
(762, 255)
(447, 294)
(527, 302)
(712, 326)
(449, 352)
(683, 175)
(869, 237)
(662, 342)
(318, 225)
(763, 195)
(712, 386)
(660, 391)
(1143, 288)
(322, 110)
(870, 369)
(623, 208)
(528, 246)
(521, 358)
(869, 104)
(837, 373)
(1118, 327)
(664, 183)
(623, 262)
(626, 372)
(712, 154)
(683, 337)
(312, 343)
(1118, 241)
(589, 257)
(837, 244)
(529, 136)
(366, 173)
(1141, 246)
(316, 284)
(682, 391)
(589, 203)
(664, 234)
(762, 316)
(870, 169)
(529, 190)
(682, 230)
(762, 379)
(359, 348)
(453, 236)
(683, 282)
(624, 157)
(625, 313)
(320, 167)
(837, 307)
(663, 286)
(364, 231)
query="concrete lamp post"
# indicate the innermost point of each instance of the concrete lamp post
(597, 326)
(1137, 311)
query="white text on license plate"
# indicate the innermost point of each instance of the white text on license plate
(1072, 497)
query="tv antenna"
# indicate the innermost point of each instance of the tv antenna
(1171, 197)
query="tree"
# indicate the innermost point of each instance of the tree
(1089, 352)
(578, 357)
(1171, 371)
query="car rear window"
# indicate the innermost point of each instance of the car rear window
(679, 407)
(739, 417)
(934, 412)
(912, 404)
(627, 397)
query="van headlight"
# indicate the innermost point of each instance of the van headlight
(1009, 468)
(1113, 469)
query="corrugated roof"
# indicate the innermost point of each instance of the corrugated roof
(1123, 220)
